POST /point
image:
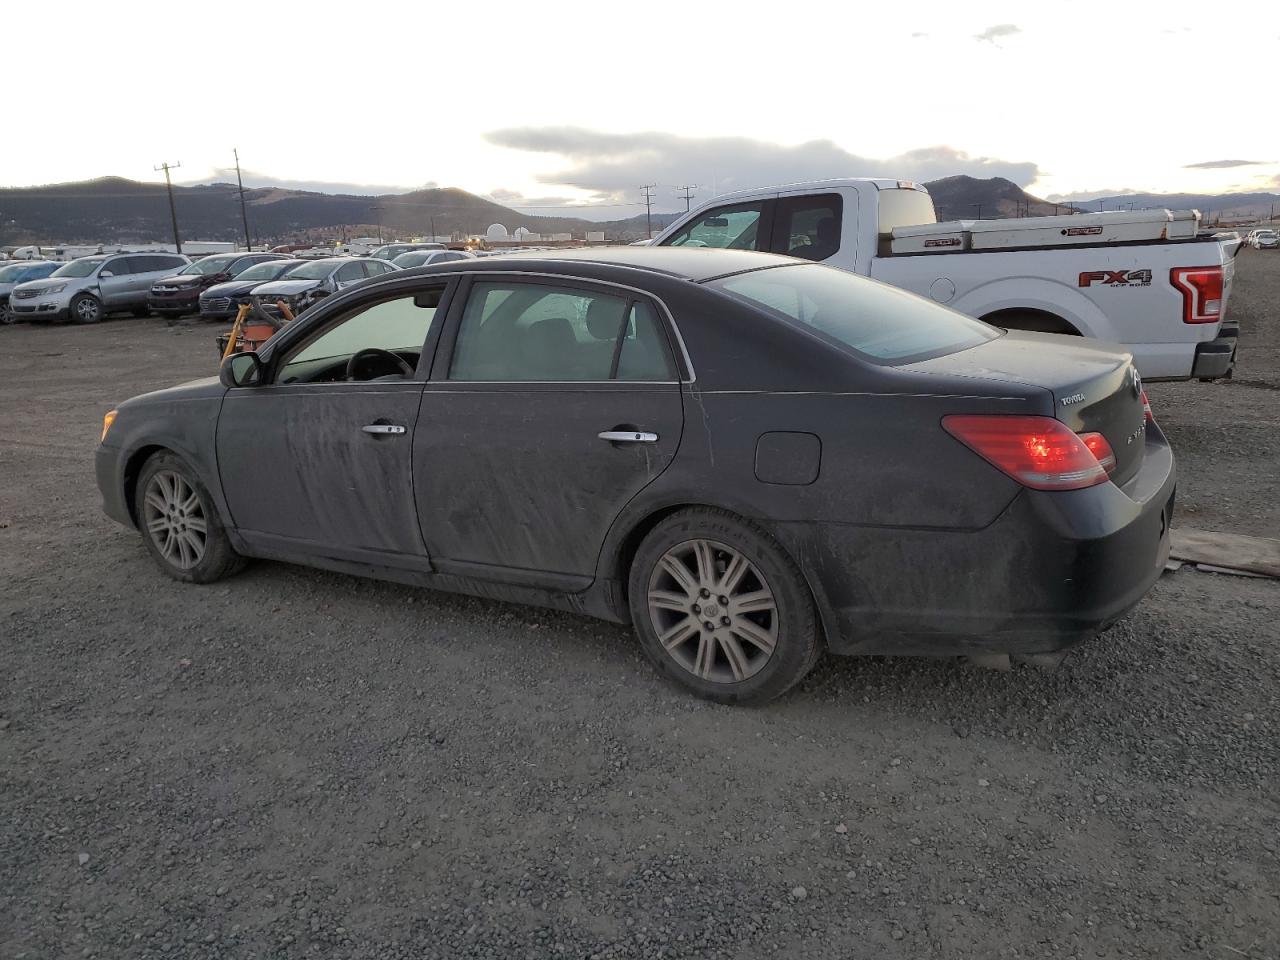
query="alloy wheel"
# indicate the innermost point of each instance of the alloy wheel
(87, 310)
(174, 519)
(712, 611)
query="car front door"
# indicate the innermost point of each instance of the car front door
(314, 463)
(348, 274)
(551, 405)
(118, 289)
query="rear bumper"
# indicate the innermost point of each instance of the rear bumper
(1053, 570)
(1215, 358)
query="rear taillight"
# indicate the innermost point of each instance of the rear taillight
(1146, 409)
(1100, 449)
(1201, 289)
(1038, 452)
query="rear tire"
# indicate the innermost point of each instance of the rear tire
(750, 649)
(85, 308)
(180, 524)
(6, 315)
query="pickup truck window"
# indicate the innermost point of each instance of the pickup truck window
(808, 227)
(732, 228)
(878, 322)
(905, 208)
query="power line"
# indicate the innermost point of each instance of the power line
(648, 189)
(173, 211)
(687, 192)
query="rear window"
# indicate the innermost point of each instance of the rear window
(878, 322)
(905, 208)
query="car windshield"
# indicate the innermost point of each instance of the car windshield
(879, 322)
(315, 270)
(12, 272)
(269, 270)
(209, 266)
(79, 268)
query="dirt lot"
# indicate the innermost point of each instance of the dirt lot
(296, 764)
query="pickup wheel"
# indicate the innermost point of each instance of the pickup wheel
(1038, 321)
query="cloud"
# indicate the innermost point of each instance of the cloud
(255, 179)
(994, 33)
(1223, 164)
(918, 35)
(612, 166)
(1084, 196)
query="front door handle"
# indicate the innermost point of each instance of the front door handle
(381, 429)
(628, 436)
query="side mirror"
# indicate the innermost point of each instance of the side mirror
(105, 273)
(241, 370)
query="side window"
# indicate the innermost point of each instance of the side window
(733, 228)
(376, 268)
(808, 227)
(399, 325)
(170, 263)
(149, 264)
(537, 332)
(644, 353)
(350, 271)
(121, 266)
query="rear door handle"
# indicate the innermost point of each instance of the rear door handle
(393, 429)
(628, 436)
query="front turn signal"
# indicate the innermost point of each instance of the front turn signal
(107, 421)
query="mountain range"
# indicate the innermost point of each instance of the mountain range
(116, 210)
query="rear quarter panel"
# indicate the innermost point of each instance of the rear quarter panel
(1082, 286)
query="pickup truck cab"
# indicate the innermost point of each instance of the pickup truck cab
(1139, 278)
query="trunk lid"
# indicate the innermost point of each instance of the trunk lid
(1095, 387)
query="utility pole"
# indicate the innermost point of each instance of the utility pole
(432, 218)
(979, 206)
(687, 192)
(648, 189)
(244, 215)
(173, 211)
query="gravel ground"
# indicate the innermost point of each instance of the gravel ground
(297, 764)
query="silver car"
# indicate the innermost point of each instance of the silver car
(12, 274)
(87, 289)
(315, 279)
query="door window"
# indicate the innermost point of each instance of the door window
(808, 227)
(537, 332)
(120, 266)
(399, 326)
(349, 272)
(733, 228)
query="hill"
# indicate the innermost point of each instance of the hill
(116, 210)
(1226, 206)
(968, 198)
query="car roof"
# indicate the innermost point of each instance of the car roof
(688, 263)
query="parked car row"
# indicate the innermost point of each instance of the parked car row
(172, 285)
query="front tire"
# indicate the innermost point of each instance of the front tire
(86, 308)
(180, 524)
(721, 609)
(6, 314)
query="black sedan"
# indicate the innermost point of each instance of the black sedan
(222, 301)
(749, 458)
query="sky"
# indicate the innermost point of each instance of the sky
(547, 105)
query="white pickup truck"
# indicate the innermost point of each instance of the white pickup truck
(1140, 278)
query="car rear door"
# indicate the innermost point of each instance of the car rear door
(551, 404)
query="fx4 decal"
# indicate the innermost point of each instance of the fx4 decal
(1116, 278)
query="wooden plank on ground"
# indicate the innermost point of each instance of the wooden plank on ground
(1231, 550)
